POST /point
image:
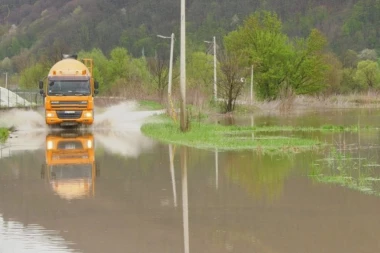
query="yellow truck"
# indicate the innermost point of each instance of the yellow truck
(69, 92)
(70, 167)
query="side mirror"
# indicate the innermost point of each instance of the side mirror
(96, 85)
(42, 92)
(41, 85)
(96, 92)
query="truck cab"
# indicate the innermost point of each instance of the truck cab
(70, 167)
(68, 92)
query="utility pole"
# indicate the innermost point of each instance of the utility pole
(252, 84)
(215, 87)
(170, 63)
(183, 118)
(6, 80)
(214, 49)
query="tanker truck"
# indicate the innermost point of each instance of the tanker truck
(69, 92)
(70, 168)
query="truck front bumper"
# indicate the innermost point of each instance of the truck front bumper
(69, 117)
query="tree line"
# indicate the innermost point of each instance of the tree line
(282, 66)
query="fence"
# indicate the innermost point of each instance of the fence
(20, 98)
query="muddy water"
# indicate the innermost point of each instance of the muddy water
(138, 195)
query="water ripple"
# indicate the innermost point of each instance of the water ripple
(16, 237)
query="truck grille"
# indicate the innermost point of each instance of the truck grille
(68, 104)
(69, 114)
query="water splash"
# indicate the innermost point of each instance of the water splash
(124, 116)
(116, 128)
(22, 120)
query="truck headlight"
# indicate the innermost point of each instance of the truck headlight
(89, 144)
(88, 114)
(49, 145)
(49, 114)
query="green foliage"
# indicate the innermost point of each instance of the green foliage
(100, 68)
(308, 69)
(31, 76)
(209, 136)
(277, 61)
(349, 84)
(200, 72)
(150, 105)
(368, 74)
(138, 71)
(119, 69)
(346, 170)
(362, 23)
(118, 65)
(4, 133)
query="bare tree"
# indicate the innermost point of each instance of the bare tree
(232, 81)
(159, 70)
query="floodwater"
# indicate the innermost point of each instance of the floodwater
(111, 189)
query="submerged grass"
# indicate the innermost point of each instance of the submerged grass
(4, 133)
(347, 171)
(210, 136)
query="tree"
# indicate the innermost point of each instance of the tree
(308, 68)
(230, 85)
(368, 54)
(159, 70)
(278, 61)
(262, 43)
(31, 76)
(101, 71)
(200, 71)
(368, 74)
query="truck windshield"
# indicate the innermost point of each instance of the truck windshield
(69, 88)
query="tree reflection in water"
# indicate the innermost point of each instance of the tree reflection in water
(262, 176)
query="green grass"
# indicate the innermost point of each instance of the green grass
(150, 105)
(4, 133)
(209, 136)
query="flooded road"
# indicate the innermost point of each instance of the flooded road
(111, 189)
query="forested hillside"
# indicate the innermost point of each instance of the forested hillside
(39, 31)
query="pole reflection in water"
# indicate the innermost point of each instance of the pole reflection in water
(171, 160)
(70, 167)
(185, 201)
(216, 169)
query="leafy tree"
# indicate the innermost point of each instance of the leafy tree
(334, 75)
(349, 84)
(264, 45)
(119, 63)
(307, 69)
(101, 71)
(138, 71)
(368, 54)
(31, 76)
(368, 74)
(200, 71)
(350, 59)
(277, 61)
(6, 64)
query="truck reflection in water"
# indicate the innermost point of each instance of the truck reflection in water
(70, 167)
